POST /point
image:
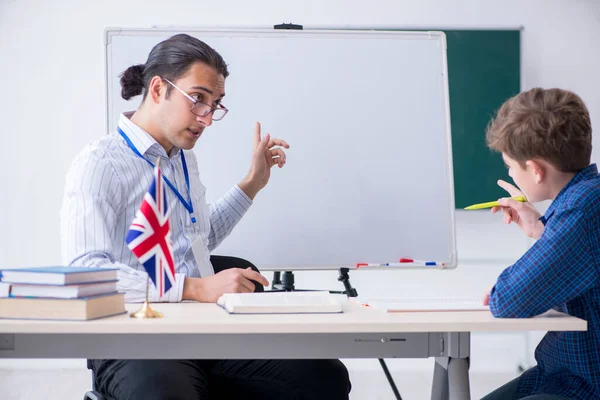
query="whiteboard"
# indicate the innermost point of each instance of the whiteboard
(369, 172)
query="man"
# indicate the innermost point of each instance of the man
(183, 84)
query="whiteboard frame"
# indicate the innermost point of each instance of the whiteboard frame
(109, 32)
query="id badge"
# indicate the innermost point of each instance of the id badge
(202, 257)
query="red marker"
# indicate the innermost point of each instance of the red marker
(406, 260)
(370, 265)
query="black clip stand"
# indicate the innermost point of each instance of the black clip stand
(288, 26)
(286, 283)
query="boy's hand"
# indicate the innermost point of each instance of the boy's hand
(523, 214)
(486, 296)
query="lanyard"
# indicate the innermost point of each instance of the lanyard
(188, 206)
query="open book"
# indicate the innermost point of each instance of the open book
(280, 303)
(416, 304)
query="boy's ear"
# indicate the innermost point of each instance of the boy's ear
(538, 169)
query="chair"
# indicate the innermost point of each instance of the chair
(220, 263)
(94, 394)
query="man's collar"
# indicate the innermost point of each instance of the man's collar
(142, 140)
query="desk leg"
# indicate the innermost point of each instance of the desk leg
(451, 370)
(439, 388)
(458, 379)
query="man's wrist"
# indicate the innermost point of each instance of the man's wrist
(191, 288)
(250, 186)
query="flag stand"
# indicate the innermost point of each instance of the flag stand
(160, 194)
(146, 311)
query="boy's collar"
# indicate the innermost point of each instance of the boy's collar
(585, 174)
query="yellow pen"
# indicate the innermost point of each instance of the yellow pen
(493, 203)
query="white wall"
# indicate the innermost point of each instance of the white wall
(52, 103)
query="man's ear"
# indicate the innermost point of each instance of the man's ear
(538, 169)
(154, 89)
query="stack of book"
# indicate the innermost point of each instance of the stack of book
(66, 293)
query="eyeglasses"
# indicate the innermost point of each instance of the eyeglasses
(200, 109)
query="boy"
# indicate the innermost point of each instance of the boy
(545, 138)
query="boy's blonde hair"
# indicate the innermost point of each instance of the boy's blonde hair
(549, 124)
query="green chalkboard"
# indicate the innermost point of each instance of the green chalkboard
(483, 71)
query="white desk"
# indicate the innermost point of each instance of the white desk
(193, 330)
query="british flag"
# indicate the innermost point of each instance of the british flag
(149, 236)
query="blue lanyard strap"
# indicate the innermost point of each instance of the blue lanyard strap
(188, 206)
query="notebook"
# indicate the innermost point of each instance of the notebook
(418, 304)
(280, 303)
(58, 275)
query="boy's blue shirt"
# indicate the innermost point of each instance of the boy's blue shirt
(561, 271)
